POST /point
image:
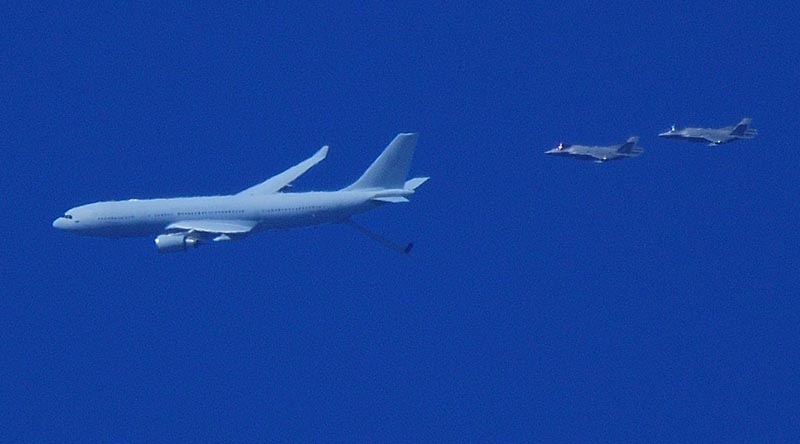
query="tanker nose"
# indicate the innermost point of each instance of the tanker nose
(60, 223)
(65, 222)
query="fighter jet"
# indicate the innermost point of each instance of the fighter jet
(187, 222)
(599, 154)
(713, 136)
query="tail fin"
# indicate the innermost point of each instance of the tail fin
(390, 169)
(630, 147)
(743, 130)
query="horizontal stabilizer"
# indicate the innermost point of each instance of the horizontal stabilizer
(413, 184)
(277, 183)
(391, 199)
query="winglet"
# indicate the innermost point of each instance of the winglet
(277, 183)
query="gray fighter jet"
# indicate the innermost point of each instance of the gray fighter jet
(599, 154)
(713, 136)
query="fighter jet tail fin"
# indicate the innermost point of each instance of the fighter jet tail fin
(630, 146)
(743, 129)
(390, 169)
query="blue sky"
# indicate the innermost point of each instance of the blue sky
(546, 300)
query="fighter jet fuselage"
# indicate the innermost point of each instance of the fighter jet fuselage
(598, 154)
(713, 136)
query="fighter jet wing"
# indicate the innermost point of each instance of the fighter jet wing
(599, 157)
(276, 183)
(213, 226)
(714, 141)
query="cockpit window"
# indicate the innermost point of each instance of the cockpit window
(67, 216)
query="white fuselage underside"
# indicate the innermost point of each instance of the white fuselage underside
(270, 211)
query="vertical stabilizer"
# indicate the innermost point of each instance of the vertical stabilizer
(743, 129)
(629, 146)
(390, 169)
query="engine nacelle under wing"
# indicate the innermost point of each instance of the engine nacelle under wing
(175, 242)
